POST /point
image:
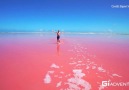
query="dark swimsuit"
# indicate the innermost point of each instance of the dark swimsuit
(58, 37)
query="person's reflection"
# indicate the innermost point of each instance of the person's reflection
(58, 49)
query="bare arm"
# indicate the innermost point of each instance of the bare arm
(54, 31)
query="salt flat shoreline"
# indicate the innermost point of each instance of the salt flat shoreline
(90, 33)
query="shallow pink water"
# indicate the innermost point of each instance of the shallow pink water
(80, 62)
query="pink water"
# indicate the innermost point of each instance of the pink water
(80, 62)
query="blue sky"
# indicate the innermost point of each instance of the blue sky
(67, 15)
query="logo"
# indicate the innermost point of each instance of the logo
(109, 83)
(105, 83)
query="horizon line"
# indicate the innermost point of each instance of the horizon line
(66, 33)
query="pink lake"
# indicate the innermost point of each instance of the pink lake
(80, 62)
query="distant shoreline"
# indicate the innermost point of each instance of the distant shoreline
(91, 33)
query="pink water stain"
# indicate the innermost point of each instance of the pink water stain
(79, 62)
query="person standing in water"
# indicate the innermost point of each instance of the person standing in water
(58, 36)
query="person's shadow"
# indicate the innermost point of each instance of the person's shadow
(58, 49)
